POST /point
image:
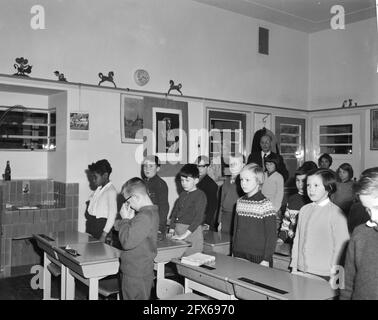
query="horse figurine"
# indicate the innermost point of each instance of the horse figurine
(174, 87)
(109, 78)
(60, 76)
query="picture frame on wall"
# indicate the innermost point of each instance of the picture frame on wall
(132, 119)
(167, 128)
(374, 129)
(79, 125)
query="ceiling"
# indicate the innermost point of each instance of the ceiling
(303, 15)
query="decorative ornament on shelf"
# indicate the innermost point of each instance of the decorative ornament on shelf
(22, 67)
(60, 76)
(141, 77)
(109, 78)
(350, 103)
(174, 87)
(344, 104)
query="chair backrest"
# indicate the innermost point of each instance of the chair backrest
(166, 288)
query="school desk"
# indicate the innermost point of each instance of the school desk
(236, 278)
(167, 249)
(216, 242)
(46, 242)
(94, 261)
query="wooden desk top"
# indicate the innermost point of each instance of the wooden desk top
(213, 238)
(297, 287)
(167, 244)
(59, 239)
(91, 253)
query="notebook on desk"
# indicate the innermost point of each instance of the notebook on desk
(198, 259)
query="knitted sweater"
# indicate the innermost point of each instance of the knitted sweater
(255, 226)
(273, 189)
(189, 209)
(361, 275)
(320, 238)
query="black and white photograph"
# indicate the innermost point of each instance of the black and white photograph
(188, 150)
(168, 133)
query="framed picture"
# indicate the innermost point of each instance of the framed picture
(132, 114)
(168, 134)
(171, 146)
(79, 125)
(79, 121)
(374, 129)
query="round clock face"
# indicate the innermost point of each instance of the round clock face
(141, 77)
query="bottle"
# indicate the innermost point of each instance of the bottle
(7, 174)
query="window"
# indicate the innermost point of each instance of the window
(27, 129)
(290, 140)
(336, 139)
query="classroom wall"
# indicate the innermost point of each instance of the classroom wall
(343, 65)
(25, 164)
(212, 52)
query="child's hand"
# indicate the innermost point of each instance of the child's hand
(264, 263)
(171, 233)
(126, 212)
(219, 227)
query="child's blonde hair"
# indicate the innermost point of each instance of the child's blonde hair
(256, 170)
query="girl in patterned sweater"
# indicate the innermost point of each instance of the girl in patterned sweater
(254, 236)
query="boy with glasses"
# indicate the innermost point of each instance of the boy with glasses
(138, 237)
(157, 190)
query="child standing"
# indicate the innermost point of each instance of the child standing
(188, 212)
(322, 230)
(138, 237)
(231, 192)
(210, 188)
(361, 277)
(254, 236)
(157, 190)
(273, 186)
(343, 197)
(294, 204)
(102, 208)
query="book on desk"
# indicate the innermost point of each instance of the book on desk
(198, 259)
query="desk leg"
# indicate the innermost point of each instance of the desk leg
(93, 288)
(160, 272)
(187, 286)
(70, 285)
(46, 278)
(63, 282)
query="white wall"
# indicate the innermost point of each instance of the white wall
(343, 65)
(212, 52)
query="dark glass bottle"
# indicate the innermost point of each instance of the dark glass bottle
(7, 173)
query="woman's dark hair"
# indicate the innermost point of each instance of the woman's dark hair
(327, 157)
(189, 170)
(328, 178)
(346, 167)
